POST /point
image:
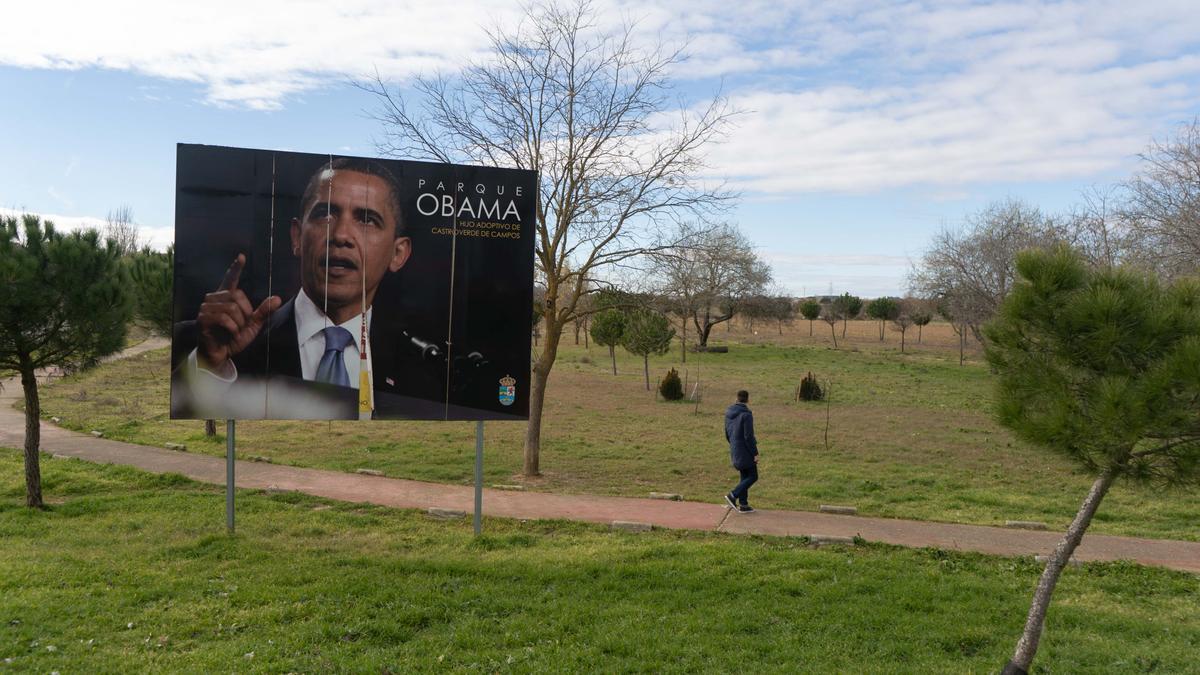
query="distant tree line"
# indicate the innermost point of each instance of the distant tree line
(1150, 222)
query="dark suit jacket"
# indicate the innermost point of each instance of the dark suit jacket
(406, 383)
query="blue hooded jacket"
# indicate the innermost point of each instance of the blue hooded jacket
(739, 431)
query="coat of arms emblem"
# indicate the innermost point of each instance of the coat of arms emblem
(508, 390)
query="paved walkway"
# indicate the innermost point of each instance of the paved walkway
(1179, 555)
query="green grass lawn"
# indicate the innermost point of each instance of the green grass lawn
(910, 436)
(131, 572)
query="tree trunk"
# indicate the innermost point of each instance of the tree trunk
(683, 340)
(1028, 644)
(704, 335)
(919, 330)
(210, 428)
(533, 432)
(612, 353)
(586, 332)
(977, 331)
(833, 332)
(33, 437)
(844, 322)
(781, 327)
(902, 341)
(881, 326)
(810, 328)
(646, 368)
(962, 344)
(537, 398)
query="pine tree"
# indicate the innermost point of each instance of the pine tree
(65, 303)
(884, 310)
(152, 274)
(647, 333)
(1102, 366)
(811, 310)
(608, 327)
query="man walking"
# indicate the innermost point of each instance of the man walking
(743, 451)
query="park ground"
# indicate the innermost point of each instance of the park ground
(132, 571)
(909, 435)
(129, 571)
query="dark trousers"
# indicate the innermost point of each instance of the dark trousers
(741, 493)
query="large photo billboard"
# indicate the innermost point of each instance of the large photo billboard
(332, 287)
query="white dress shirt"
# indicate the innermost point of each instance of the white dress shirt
(310, 321)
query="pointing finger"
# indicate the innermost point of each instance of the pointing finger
(230, 282)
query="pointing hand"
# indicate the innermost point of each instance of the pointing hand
(227, 322)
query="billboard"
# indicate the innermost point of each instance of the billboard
(331, 287)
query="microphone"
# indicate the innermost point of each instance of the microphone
(428, 351)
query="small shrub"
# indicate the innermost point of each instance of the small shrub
(809, 389)
(671, 386)
(585, 359)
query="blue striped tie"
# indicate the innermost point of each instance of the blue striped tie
(332, 368)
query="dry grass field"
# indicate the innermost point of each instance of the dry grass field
(909, 435)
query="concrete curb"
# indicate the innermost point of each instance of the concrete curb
(1026, 525)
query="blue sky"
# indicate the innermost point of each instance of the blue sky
(869, 125)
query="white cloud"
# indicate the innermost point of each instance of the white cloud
(158, 237)
(869, 275)
(866, 260)
(852, 96)
(831, 281)
(248, 54)
(964, 95)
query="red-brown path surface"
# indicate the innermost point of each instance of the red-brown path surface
(1179, 555)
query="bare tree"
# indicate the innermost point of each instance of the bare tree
(1163, 204)
(711, 274)
(783, 309)
(773, 305)
(971, 271)
(119, 227)
(958, 309)
(830, 315)
(904, 319)
(1097, 227)
(588, 110)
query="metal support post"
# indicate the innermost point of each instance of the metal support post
(229, 449)
(478, 477)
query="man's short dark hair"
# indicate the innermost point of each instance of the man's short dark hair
(743, 396)
(369, 167)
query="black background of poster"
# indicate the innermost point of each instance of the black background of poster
(227, 198)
